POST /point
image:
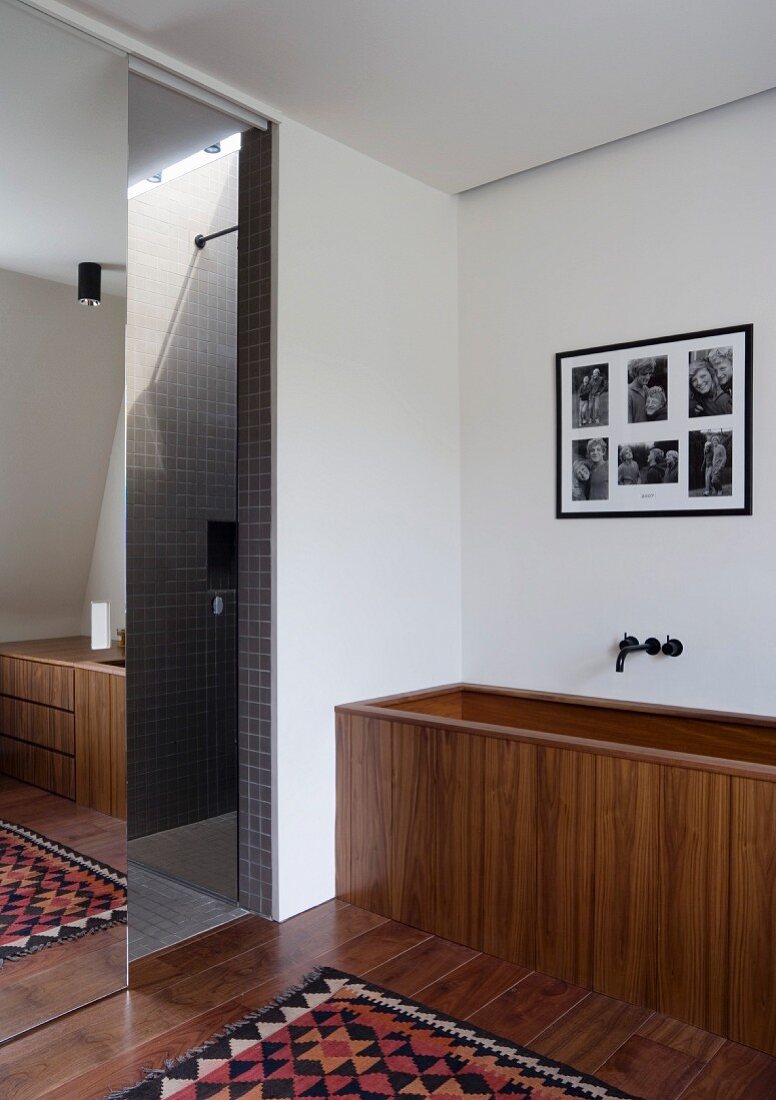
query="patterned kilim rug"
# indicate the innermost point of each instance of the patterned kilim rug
(340, 1036)
(49, 893)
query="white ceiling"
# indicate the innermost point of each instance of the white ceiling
(461, 92)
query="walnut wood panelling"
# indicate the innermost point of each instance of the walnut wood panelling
(370, 816)
(753, 914)
(728, 743)
(99, 741)
(565, 851)
(692, 892)
(508, 872)
(343, 832)
(458, 828)
(53, 771)
(661, 731)
(39, 707)
(626, 875)
(61, 651)
(413, 849)
(92, 740)
(599, 869)
(37, 681)
(118, 747)
(447, 704)
(45, 726)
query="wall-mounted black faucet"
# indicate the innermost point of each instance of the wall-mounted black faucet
(672, 647)
(629, 644)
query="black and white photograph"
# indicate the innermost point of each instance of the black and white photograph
(711, 382)
(590, 395)
(658, 440)
(590, 469)
(711, 463)
(650, 463)
(647, 389)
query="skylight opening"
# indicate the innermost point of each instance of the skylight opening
(197, 160)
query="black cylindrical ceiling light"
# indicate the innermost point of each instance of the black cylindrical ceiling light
(89, 280)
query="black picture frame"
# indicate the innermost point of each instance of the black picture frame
(690, 429)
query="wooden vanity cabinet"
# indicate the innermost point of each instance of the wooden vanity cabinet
(37, 742)
(37, 681)
(100, 754)
(62, 722)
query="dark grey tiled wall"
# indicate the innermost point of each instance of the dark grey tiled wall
(181, 472)
(255, 520)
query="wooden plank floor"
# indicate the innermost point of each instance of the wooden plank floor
(181, 996)
(37, 987)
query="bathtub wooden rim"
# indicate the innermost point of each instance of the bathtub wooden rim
(390, 708)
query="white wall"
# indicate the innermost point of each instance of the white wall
(61, 383)
(670, 231)
(63, 136)
(367, 493)
(63, 132)
(108, 574)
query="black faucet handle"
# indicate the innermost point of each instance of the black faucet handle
(672, 647)
(628, 642)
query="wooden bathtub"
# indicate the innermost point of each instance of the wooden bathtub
(626, 848)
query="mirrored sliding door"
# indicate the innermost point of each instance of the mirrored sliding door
(63, 135)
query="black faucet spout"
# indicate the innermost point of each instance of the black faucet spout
(620, 665)
(631, 645)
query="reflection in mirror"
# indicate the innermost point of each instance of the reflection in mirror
(181, 513)
(62, 742)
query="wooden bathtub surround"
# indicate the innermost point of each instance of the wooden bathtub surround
(630, 850)
(62, 720)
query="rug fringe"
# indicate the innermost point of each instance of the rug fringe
(119, 878)
(197, 1052)
(77, 935)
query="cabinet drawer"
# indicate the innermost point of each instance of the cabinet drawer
(37, 681)
(41, 767)
(45, 726)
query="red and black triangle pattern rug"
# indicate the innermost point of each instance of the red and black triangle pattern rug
(338, 1036)
(50, 894)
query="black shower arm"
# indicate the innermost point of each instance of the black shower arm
(200, 241)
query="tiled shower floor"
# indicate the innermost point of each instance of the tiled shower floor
(203, 854)
(163, 912)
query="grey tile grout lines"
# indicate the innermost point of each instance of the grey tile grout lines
(151, 927)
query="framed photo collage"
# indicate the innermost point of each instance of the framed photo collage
(656, 427)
